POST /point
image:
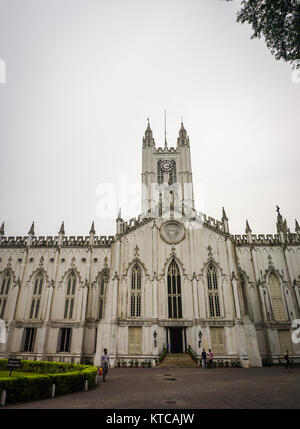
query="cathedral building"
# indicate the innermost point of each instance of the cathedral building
(172, 277)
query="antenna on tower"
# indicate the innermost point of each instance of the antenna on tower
(165, 128)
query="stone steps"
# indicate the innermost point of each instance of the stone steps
(178, 360)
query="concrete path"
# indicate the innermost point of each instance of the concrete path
(158, 388)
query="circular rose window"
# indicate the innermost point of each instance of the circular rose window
(172, 231)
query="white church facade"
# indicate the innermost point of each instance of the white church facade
(171, 277)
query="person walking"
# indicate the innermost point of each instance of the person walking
(287, 359)
(105, 363)
(210, 358)
(203, 358)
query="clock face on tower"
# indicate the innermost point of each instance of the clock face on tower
(166, 165)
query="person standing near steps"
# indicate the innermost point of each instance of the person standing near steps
(203, 359)
(210, 359)
(105, 363)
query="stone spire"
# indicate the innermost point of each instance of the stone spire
(119, 221)
(279, 223)
(225, 221)
(62, 229)
(297, 227)
(31, 231)
(183, 138)
(92, 234)
(2, 229)
(224, 217)
(248, 229)
(30, 235)
(92, 230)
(148, 139)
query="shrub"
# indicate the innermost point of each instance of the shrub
(66, 377)
(136, 363)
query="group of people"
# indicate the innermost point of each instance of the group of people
(210, 357)
(105, 361)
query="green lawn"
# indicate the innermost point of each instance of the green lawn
(16, 373)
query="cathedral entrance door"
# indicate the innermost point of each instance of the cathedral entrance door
(176, 340)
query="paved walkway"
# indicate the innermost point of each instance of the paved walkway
(167, 388)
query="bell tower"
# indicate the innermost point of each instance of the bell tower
(167, 173)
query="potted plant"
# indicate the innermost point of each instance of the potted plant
(136, 363)
(143, 364)
(131, 363)
(226, 364)
(149, 364)
(118, 363)
(124, 363)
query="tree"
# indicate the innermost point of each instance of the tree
(278, 21)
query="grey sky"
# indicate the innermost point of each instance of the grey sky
(84, 75)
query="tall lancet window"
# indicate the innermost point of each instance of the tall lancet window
(213, 292)
(244, 293)
(276, 298)
(70, 296)
(102, 289)
(36, 296)
(135, 297)
(174, 291)
(4, 290)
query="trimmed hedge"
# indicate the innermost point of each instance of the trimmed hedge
(67, 378)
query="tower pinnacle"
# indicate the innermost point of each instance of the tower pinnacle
(148, 139)
(183, 138)
(31, 231)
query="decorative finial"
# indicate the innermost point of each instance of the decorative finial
(224, 217)
(92, 230)
(31, 231)
(278, 210)
(248, 229)
(297, 227)
(2, 229)
(119, 214)
(62, 229)
(136, 251)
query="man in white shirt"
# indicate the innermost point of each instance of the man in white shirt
(105, 363)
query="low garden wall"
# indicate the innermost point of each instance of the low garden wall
(66, 377)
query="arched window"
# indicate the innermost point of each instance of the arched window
(213, 292)
(4, 290)
(102, 289)
(160, 174)
(276, 298)
(135, 297)
(36, 296)
(174, 291)
(70, 296)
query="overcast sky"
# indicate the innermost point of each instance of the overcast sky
(82, 76)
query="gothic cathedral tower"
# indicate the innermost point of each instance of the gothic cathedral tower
(167, 174)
